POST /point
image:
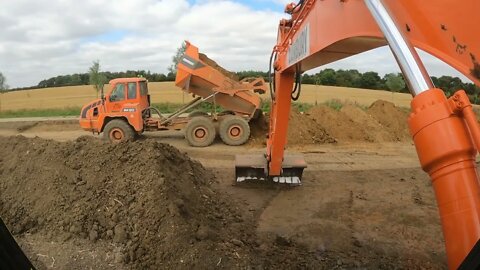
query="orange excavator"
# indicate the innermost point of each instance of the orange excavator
(445, 130)
(126, 110)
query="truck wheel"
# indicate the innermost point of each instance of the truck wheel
(117, 131)
(234, 130)
(200, 132)
(197, 113)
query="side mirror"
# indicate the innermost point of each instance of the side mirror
(112, 98)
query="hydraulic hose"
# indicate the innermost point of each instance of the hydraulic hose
(155, 110)
(300, 3)
(271, 76)
(297, 89)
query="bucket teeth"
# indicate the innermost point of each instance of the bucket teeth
(291, 180)
(251, 168)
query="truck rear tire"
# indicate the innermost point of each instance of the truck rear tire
(200, 132)
(234, 130)
(117, 131)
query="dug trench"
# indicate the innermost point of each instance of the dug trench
(144, 205)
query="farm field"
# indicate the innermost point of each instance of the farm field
(166, 92)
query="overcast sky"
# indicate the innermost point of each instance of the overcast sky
(44, 38)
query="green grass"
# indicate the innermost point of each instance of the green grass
(338, 104)
(163, 107)
(73, 111)
(334, 104)
(301, 107)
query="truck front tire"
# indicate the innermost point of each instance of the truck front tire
(117, 131)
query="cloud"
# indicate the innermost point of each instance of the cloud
(45, 38)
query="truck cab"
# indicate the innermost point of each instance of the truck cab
(119, 113)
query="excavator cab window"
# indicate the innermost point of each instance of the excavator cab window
(132, 90)
(118, 94)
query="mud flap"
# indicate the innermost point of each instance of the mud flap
(11, 255)
(255, 168)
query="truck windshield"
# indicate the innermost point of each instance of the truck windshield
(118, 93)
(143, 88)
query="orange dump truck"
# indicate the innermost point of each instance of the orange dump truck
(126, 110)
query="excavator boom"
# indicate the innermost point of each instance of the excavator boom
(445, 131)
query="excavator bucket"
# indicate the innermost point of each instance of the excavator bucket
(255, 168)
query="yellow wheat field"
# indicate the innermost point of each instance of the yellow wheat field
(76, 96)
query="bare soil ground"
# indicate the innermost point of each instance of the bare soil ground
(82, 203)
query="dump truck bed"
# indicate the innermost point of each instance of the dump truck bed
(199, 75)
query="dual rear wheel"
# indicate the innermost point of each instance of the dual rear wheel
(201, 132)
(234, 130)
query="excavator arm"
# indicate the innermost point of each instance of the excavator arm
(445, 131)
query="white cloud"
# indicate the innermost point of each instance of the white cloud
(45, 38)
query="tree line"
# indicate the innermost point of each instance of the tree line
(329, 77)
(84, 78)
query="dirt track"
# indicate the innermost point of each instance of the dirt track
(361, 205)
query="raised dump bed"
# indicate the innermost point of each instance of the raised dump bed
(201, 76)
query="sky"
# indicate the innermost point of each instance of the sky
(45, 38)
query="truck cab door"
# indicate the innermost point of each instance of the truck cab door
(116, 98)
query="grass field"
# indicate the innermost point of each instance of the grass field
(66, 101)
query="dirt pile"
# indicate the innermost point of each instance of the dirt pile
(381, 122)
(139, 196)
(392, 118)
(301, 130)
(304, 130)
(259, 130)
(338, 124)
(368, 126)
(151, 203)
(216, 66)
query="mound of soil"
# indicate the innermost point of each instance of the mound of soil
(391, 118)
(301, 130)
(304, 130)
(338, 124)
(146, 199)
(259, 131)
(382, 122)
(216, 66)
(372, 130)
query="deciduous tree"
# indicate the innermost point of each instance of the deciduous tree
(3, 87)
(172, 70)
(97, 78)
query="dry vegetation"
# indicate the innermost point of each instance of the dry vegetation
(166, 92)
